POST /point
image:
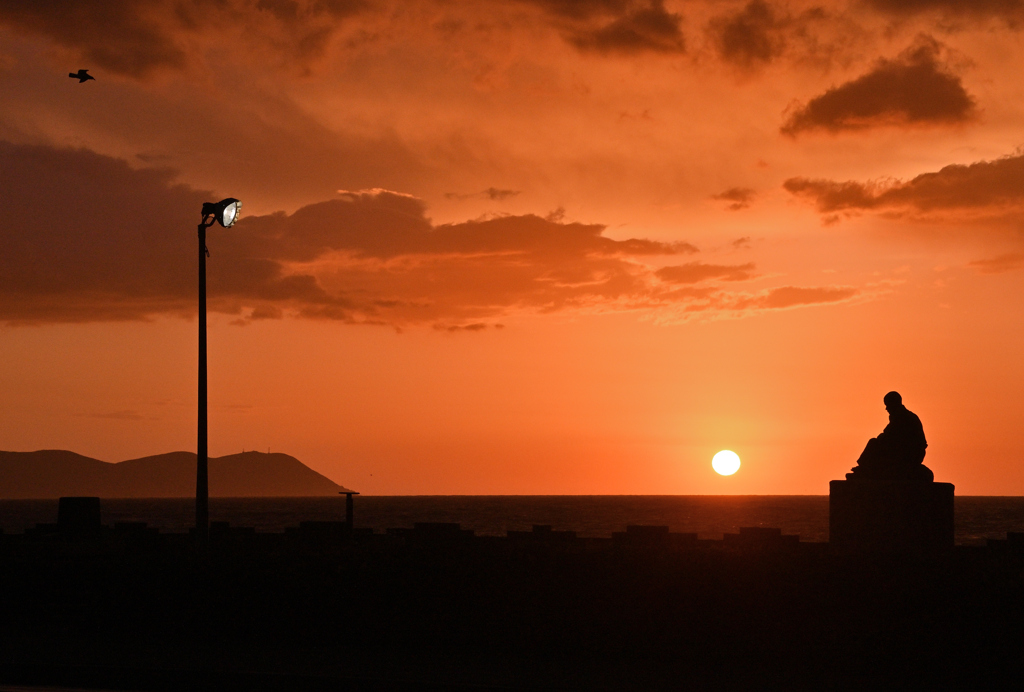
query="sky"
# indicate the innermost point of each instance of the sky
(518, 246)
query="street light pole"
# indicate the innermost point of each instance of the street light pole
(224, 212)
(202, 443)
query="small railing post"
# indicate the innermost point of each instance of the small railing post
(349, 510)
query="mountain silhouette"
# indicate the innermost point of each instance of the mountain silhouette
(53, 473)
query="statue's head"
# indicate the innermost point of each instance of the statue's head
(892, 400)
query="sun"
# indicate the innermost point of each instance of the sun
(726, 463)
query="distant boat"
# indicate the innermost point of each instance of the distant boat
(57, 473)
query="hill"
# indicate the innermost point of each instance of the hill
(53, 473)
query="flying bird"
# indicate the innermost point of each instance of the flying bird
(81, 75)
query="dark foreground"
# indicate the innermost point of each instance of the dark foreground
(435, 608)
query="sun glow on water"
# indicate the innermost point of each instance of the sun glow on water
(726, 463)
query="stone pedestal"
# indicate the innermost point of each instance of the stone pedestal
(892, 516)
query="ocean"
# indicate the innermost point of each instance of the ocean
(977, 518)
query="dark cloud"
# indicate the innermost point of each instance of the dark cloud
(914, 89)
(88, 238)
(998, 265)
(984, 185)
(761, 32)
(499, 194)
(122, 36)
(753, 36)
(831, 196)
(616, 26)
(582, 9)
(492, 193)
(740, 197)
(472, 327)
(649, 28)
(136, 37)
(695, 272)
(1008, 9)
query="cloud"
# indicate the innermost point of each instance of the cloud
(89, 238)
(987, 186)
(122, 36)
(912, 90)
(1008, 9)
(761, 32)
(491, 193)
(616, 26)
(753, 36)
(998, 265)
(135, 38)
(795, 296)
(472, 327)
(695, 272)
(831, 196)
(739, 196)
(721, 304)
(498, 194)
(582, 9)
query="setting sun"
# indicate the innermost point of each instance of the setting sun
(726, 463)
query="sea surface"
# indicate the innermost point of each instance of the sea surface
(977, 518)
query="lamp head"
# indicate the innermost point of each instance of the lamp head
(225, 212)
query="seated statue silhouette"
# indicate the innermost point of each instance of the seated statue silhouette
(898, 452)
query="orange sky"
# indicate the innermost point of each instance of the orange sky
(528, 246)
